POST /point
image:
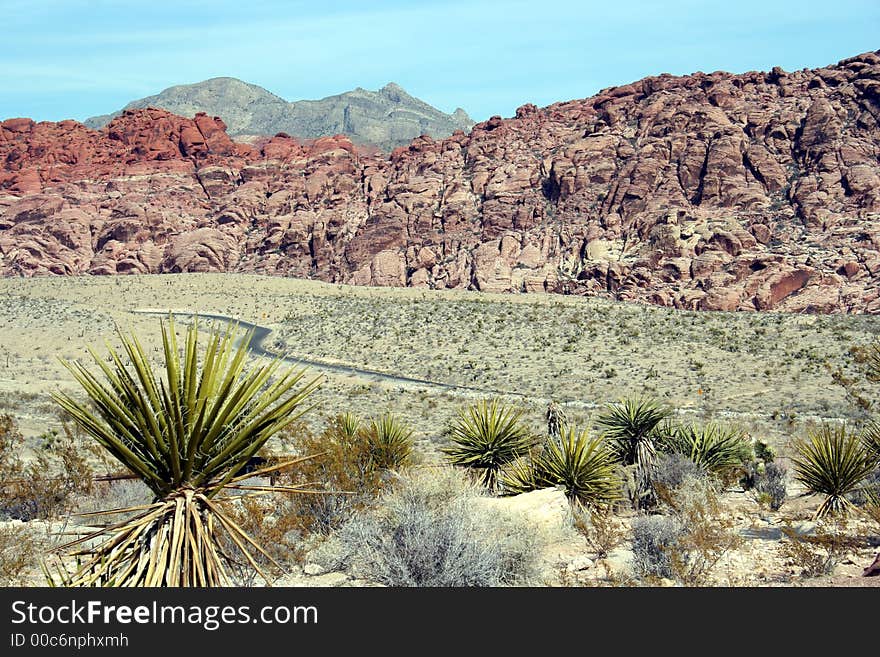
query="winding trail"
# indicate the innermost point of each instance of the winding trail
(257, 348)
(262, 332)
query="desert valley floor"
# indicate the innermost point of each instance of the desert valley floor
(769, 372)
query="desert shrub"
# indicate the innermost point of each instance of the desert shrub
(266, 520)
(770, 489)
(654, 539)
(818, 553)
(428, 531)
(20, 553)
(601, 529)
(833, 462)
(46, 485)
(584, 467)
(486, 437)
(342, 468)
(671, 470)
(687, 544)
(764, 452)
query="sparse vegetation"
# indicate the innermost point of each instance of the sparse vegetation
(428, 531)
(48, 484)
(695, 363)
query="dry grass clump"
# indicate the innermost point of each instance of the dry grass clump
(601, 529)
(817, 553)
(20, 553)
(428, 531)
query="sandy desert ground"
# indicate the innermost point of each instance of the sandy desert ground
(767, 372)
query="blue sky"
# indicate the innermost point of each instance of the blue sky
(77, 58)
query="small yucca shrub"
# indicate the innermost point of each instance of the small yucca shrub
(518, 477)
(712, 447)
(584, 467)
(389, 442)
(630, 427)
(487, 436)
(633, 427)
(871, 438)
(833, 462)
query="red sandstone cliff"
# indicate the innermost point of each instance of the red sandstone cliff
(709, 191)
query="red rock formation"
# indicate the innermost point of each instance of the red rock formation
(710, 191)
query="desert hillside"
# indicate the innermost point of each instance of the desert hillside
(386, 118)
(709, 191)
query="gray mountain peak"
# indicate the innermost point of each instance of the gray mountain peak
(386, 118)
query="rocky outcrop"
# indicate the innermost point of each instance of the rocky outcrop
(710, 191)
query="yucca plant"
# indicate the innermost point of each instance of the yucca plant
(485, 437)
(873, 361)
(389, 441)
(586, 468)
(186, 433)
(346, 425)
(518, 476)
(832, 462)
(714, 448)
(630, 427)
(871, 438)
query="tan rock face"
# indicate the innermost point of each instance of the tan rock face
(709, 191)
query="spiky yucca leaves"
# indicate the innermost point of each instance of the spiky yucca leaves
(487, 436)
(185, 432)
(871, 438)
(873, 361)
(713, 447)
(347, 425)
(630, 427)
(832, 462)
(518, 477)
(390, 442)
(586, 468)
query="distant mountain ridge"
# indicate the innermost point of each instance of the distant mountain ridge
(386, 118)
